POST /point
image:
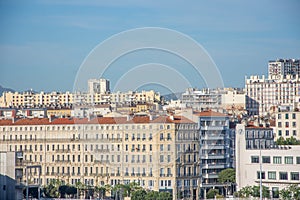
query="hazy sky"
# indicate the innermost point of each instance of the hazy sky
(43, 43)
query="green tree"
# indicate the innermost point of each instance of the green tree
(164, 196)
(290, 192)
(245, 192)
(285, 194)
(52, 189)
(100, 190)
(138, 194)
(152, 195)
(288, 141)
(256, 191)
(211, 193)
(227, 176)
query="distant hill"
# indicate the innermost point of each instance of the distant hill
(2, 89)
(173, 96)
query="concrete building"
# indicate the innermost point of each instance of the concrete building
(265, 94)
(216, 148)
(280, 165)
(221, 98)
(98, 86)
(283, 67)
(161, 153)
(31, 99)
(287, 122)
(10, 188)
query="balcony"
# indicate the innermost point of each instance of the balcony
(213, 146)
(214, 137)
(210, 175)
(214, 166)
(213, 127)
(213, 156)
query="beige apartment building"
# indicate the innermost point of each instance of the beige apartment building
(108, 150)
(287, 123)
(32, 99)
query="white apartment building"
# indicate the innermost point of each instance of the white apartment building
(98, 86)
(225, 98)
(109, 150)
(287, 123)
(265, 94)
(280, 165)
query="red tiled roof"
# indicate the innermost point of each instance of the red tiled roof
(99, 120)
(209, 114)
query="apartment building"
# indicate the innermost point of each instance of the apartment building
(265, 94)
(30, 99)
(221, 98)
(160, 153)
(280, 165)
(283, 67)
(287, 123)
(216, 148)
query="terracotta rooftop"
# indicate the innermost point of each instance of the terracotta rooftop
(209, 114)
(98, 120)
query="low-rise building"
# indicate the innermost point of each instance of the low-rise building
(280, 165)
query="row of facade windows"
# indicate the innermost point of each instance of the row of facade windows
(276, 159)
(272, 175)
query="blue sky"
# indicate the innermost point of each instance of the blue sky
(43, 43)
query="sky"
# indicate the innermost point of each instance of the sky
(44, 43)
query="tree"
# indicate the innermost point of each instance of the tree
(290, 192)
(164, 196)
(256, 191)
(138, 194)
(287, 141)
(211, 193)
(152, 195)
(227, 176)
(52, 189)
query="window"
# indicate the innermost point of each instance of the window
(276, 160)
(161, 158)
(254, 159)
(279, 116)
(266, 159)
(295, 176)
(279, 124)
(279, 132)
(288, 160)
(272, 175)
(294, 124)
(294, 133)
(161, 147)
(275, 192)
(286, 116)
(297, 160)
(161, 136)
(283, 176)
(262, 175)
(287, 133)
(294, 115)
